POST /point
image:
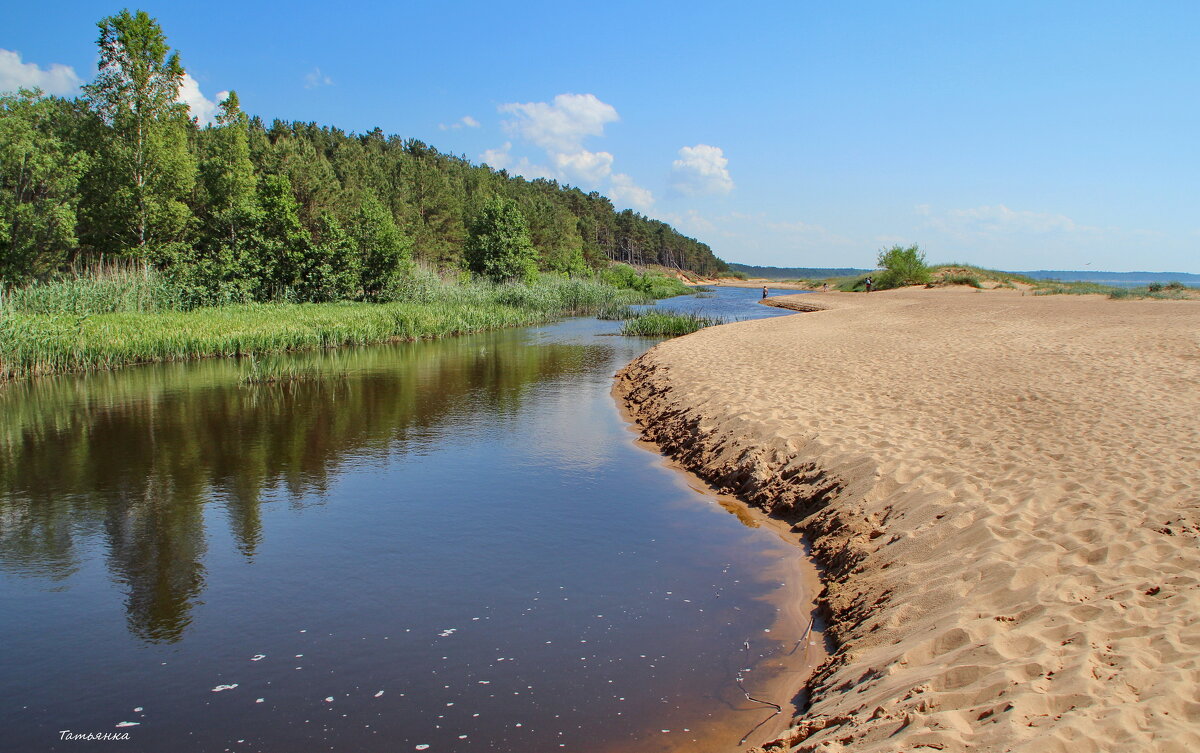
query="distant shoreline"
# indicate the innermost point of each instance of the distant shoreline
(1077, 275)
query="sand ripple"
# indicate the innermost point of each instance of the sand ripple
(1004, 489)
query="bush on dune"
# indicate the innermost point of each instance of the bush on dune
(901, 266)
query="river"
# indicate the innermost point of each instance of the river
(448, 546)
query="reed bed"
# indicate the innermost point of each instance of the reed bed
(44, 344)
(616, 312)
(98, 290)
(93, 332)
(667, 324)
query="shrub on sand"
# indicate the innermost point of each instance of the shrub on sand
(901, 266)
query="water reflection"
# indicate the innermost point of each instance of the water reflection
(131, 459)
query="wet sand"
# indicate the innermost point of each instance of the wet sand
(1003, 491)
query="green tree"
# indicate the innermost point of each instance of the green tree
(554, 231)
(498, 245)
(283, 245)
(226, 172)
(901, 266)
(383, 251)
(298, 153)
(329, 271)
(39, 178)
(218, 268)
(437, 222)
(145, 172)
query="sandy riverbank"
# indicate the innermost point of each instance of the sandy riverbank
(1004, 491)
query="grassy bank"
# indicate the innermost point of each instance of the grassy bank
(69, 326)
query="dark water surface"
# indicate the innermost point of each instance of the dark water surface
(453, 544)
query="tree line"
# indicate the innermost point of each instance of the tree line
(239, 210)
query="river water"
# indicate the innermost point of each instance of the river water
(454, 544)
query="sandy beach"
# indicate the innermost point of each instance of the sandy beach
(1003, 491)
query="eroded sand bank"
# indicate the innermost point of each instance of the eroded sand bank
(1004, 491)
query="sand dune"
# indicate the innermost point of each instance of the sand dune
(1004, 491)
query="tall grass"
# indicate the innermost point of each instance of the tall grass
(667, 324)
(616, 313)
(85, 330)
(1048, 287)
(97, 290)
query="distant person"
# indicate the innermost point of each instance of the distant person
(868, 281)
(824, 287)
(764, 291)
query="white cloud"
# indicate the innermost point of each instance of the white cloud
(57, 79)
(63, 81)
(625, 191)
(562, 126)
(503, 159)
(701, 170)
(559, 129)
(589, 167)
(465, 121)
(499, 159)
(315, 78)
(988, 221)
(201, 107)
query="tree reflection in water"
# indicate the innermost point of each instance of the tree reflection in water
(133, 459)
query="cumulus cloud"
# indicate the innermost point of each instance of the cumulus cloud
(503, 159)
(465, 121)
(590, 167)
(202, 108)
(63, 81)
(701, 170)
(559, 129)
(57, 79)
(500, 159)
(624, 191)
(996, 220)
(315, 78)
(561, 126)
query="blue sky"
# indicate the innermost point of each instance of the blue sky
(1013, 135)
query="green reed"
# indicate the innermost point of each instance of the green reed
(667, 324)
(90, 333)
